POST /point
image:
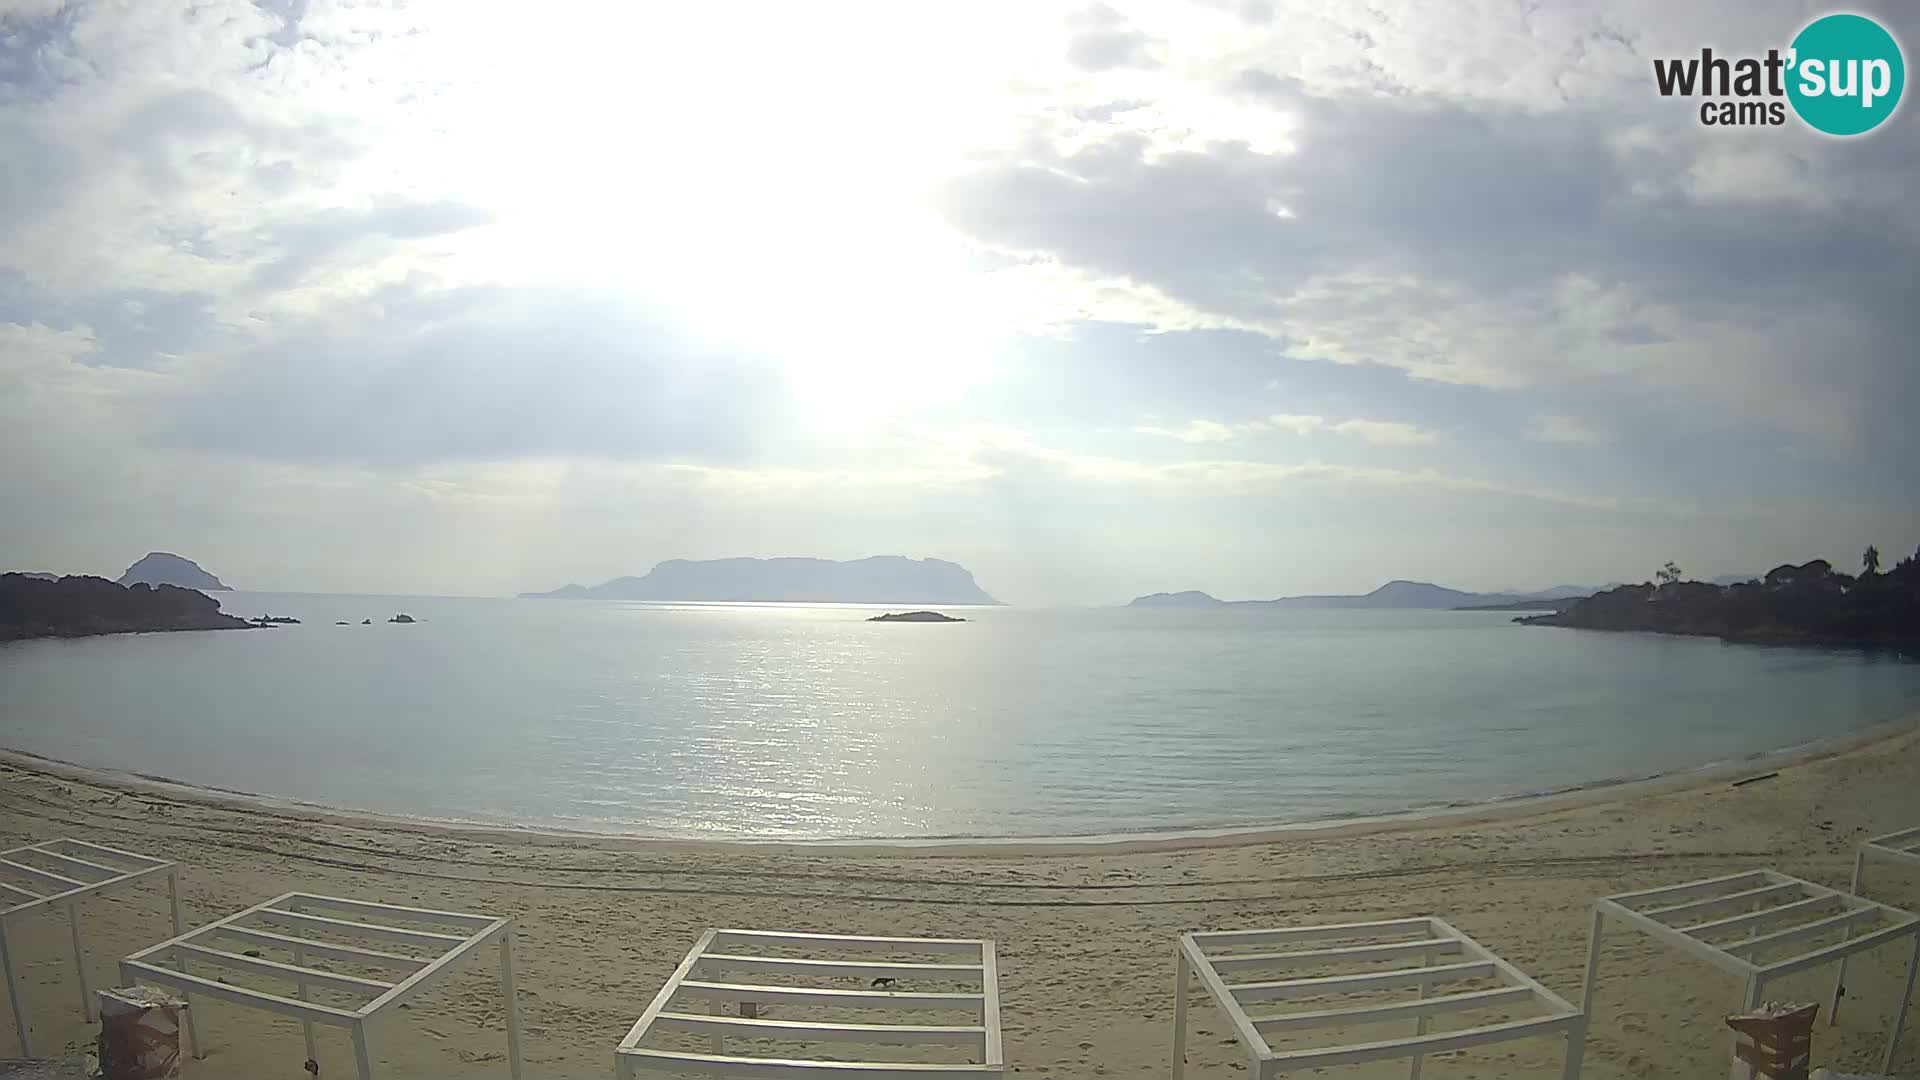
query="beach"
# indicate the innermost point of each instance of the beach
(1085, 931)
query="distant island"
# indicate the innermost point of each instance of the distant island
(166, 568)
(915, 616)
(1394, 595)
(1811, 603)
(33, 607)
(882, 579)
(1525, 605)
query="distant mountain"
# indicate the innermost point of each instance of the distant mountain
(1526, 605)
(38, 576)
(1725, 579)
(1558, 592)
(31, 606)
(166, 568)
(881, 579)
(1192, 598)
(1392, 595)
(1395, 594)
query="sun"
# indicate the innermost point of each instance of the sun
(773, 189)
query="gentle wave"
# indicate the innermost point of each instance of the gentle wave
(795, 723)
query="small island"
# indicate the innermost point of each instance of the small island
(879, 579)
(166, 568)
(79, 606)
(403, 617)
(1808, 604)
(915, 616)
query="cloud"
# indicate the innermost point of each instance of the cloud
(303, 245)
(1383, 432)
(34, 347)
(1374, 432)
(1232, 281)
(1564, 429)
(1102, 40)
(1487, 244)
(477, 374)
(1203, 431)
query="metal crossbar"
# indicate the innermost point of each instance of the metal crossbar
(1204, 956)
(60, 873)
(883, 982)
(370, 996)
(1776, 910)
(1893, 847)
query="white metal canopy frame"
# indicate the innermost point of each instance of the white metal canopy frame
(59, 873)
(1212, 956)
(1759, 926)
(1896, 847)
(969, 963)
(334, 930)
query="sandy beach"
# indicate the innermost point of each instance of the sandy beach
(1085, 932)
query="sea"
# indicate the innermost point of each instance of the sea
(795, 722)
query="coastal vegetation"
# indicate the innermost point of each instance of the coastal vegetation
(78, 606)
(1808, 603)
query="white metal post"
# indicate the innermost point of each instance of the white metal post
(1179, 1009)
(1592, 980)
(13, 990)
(1840, 976)
(1576, 1049)
(1419, 1023)
(179, 927)
(513, 1001)
(1900, 1014)
(306, 1026)
(180, 964)
(1740, 1070)
(362, 1059)
(80, 961)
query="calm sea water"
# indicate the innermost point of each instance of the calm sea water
(780, 721)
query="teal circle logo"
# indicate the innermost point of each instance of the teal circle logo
(1846, 74)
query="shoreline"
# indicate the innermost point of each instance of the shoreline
(1082, 929)
(1497, 810)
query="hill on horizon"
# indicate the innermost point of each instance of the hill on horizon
(878, 579)
(166, 568)
(1397, 594)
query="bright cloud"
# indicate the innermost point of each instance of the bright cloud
(1376, 432)
(469, 298)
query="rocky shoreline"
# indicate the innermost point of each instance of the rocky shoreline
(81, 606)
(1808, 604)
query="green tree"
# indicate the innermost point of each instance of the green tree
(1870, 561)
(1668, 574)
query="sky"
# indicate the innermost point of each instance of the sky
(1252, 296)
